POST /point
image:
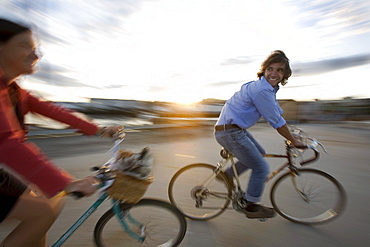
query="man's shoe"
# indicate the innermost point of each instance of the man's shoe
(256, 211)
(229, 179)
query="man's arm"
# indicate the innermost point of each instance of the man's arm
(284, 131)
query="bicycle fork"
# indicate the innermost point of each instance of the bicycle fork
(303, 195)
(122, 216)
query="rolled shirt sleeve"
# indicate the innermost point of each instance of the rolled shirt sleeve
(267, 105)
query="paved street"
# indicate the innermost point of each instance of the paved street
(174, 148)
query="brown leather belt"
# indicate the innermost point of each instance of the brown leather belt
(226, 127)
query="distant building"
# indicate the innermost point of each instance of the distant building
(304, 111)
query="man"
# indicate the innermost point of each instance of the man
(255, 99)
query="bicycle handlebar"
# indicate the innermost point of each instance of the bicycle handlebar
(303, 137)
(315, 157)
(77, 194)
(314, 144)
(104, 173)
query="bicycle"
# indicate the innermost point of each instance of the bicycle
(149, 222)
(301, 195)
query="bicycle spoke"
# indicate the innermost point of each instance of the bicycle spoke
(188, 194)
(219, 195)
(158, 223)
(311, 197)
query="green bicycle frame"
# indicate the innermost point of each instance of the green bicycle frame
(118, 212)
(81, 220)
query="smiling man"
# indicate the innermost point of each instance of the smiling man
(254, 100)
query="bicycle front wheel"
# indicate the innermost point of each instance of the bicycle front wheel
(311, 197)
(197, 193)
(158, 223)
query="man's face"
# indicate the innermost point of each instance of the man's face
(275, 73)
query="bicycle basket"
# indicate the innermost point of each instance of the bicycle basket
(133, 175)
(128, 189)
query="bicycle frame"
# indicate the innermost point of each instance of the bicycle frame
(81, 220)
(289, 162)
(117, 210)
(228, 157)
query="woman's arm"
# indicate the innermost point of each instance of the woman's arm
(61, 114)
(27, 160)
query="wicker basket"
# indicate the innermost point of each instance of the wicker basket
(128, 189)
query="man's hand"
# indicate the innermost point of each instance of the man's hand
(298, 144)
(284, 131)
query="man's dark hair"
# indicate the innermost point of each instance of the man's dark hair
(276, 56)
(9, 29)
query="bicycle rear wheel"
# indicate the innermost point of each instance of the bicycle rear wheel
(196, 194)
(162, 225)
(311, 197)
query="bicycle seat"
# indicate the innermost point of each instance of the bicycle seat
(225, 153)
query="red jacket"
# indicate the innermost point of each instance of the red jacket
(24, 157)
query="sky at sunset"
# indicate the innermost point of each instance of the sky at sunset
(188, 50)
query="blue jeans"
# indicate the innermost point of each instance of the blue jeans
(249, 154)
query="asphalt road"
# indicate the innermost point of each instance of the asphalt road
(174, 148)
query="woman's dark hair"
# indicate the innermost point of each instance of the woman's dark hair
(9, 29)
(276, 57)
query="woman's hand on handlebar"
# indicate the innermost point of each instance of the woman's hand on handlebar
(85, 186)
(109, 131)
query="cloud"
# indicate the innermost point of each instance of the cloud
(300, 86)
(238, 60)
(225, 83)
(157, 89)
(115, 86)
(51, 74)
(61, 22)
(55, 18)
(304, 69)
(351, 17)
(329, 65)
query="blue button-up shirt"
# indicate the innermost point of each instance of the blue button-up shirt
(255, 99)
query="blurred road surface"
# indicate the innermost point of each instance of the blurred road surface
(174, 148)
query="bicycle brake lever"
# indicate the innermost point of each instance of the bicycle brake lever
(314, 145)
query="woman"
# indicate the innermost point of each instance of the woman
(255, 99)
(36, 212)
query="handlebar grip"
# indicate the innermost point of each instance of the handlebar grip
(77, 194)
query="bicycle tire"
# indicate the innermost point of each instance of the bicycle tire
(164, 225)
(185, 187)
(322, 199)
